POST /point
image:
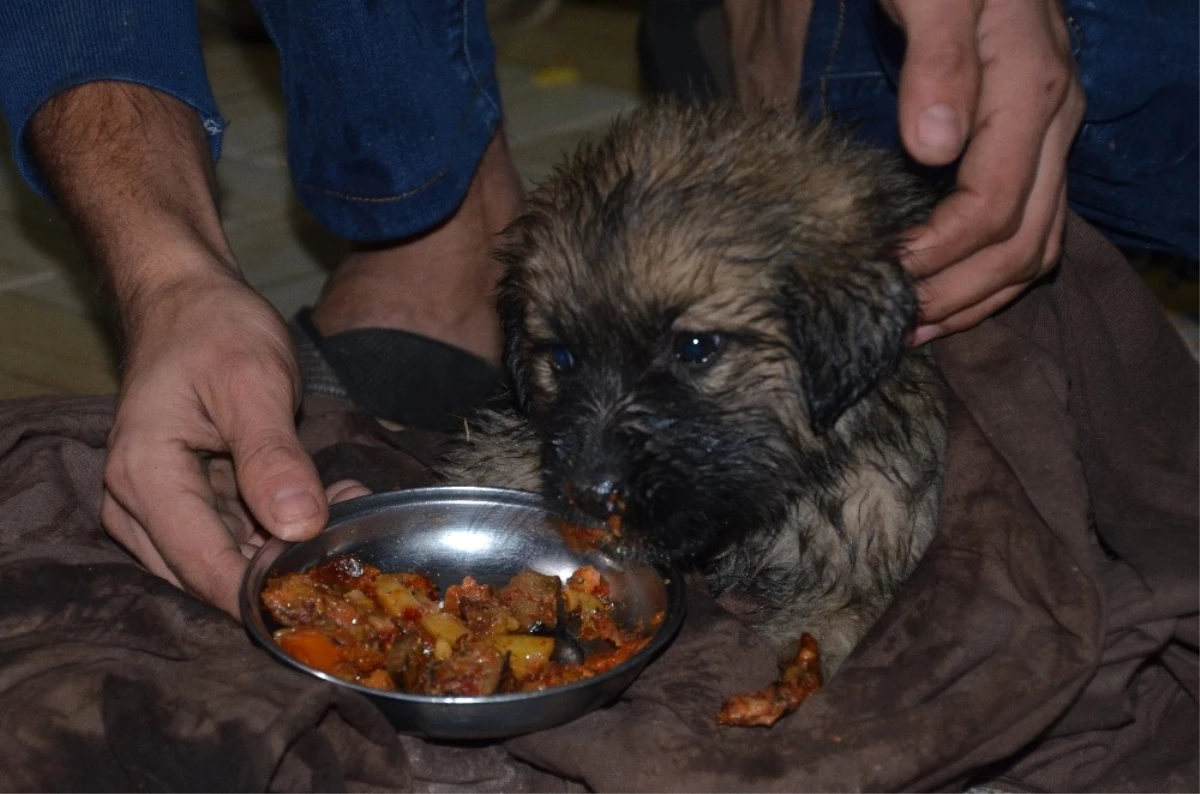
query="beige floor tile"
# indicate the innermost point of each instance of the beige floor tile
(236, 68)
(13, 387)
(532, 111)
(275, 249)
(35, 246)
(249, 191)
(596, 38)
(256, 131)
(46, 345)
(15, 195)
(245, 81)
(80, 296)
(291, 295)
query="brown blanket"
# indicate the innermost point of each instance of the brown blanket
(1047, 642)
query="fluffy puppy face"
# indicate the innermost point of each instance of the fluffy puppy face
(694, 307)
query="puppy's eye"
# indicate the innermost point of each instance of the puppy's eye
(698, 348)
(561, 358)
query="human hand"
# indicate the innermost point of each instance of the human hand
(995, 82)
(233, 511)
(203, 455)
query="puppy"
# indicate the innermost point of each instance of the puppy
(705, 322)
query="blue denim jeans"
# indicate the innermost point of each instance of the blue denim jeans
(1133, 170)
(389, 107)
(390, 103)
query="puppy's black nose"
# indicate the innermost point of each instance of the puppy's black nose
(597, 494)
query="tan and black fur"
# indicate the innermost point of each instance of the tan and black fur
(726, 289)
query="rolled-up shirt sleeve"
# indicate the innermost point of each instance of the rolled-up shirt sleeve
(49, 46)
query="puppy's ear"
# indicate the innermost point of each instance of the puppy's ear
(849, 325)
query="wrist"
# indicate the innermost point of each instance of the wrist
(182, 282)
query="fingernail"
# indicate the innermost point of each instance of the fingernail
(292, 505)
(923, 334)
(939, 128)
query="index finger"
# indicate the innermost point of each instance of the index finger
(187, 531)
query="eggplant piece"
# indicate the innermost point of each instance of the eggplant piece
(532, 598)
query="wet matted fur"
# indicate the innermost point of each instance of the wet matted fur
(705, 322)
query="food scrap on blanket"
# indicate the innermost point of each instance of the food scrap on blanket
(798, 679)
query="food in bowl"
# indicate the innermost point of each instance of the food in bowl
(394, 631)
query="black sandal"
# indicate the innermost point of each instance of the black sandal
(402, 377)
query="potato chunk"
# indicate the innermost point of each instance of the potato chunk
(444, 627)
(528, 655)
(398, 599)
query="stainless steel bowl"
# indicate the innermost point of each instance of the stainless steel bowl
(447, 533)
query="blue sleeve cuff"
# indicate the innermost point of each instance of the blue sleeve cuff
(49, 46)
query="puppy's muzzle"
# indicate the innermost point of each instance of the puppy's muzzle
(596, 493)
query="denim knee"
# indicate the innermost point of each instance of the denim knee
(390, 105)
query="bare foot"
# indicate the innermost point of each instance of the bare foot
(439, 284)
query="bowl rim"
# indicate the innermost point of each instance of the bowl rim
(254, 624)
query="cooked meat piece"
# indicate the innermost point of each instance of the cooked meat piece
(468, 594)
(490, 621)
(798, 679)
(532, 598)
(480, 608)
(474, 670)
(294, 599)
(343, 573)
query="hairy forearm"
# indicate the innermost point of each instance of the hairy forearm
(131, 170)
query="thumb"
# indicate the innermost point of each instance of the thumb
(939, 81)
(275, 476)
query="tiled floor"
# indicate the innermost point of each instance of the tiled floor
(54, 335)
